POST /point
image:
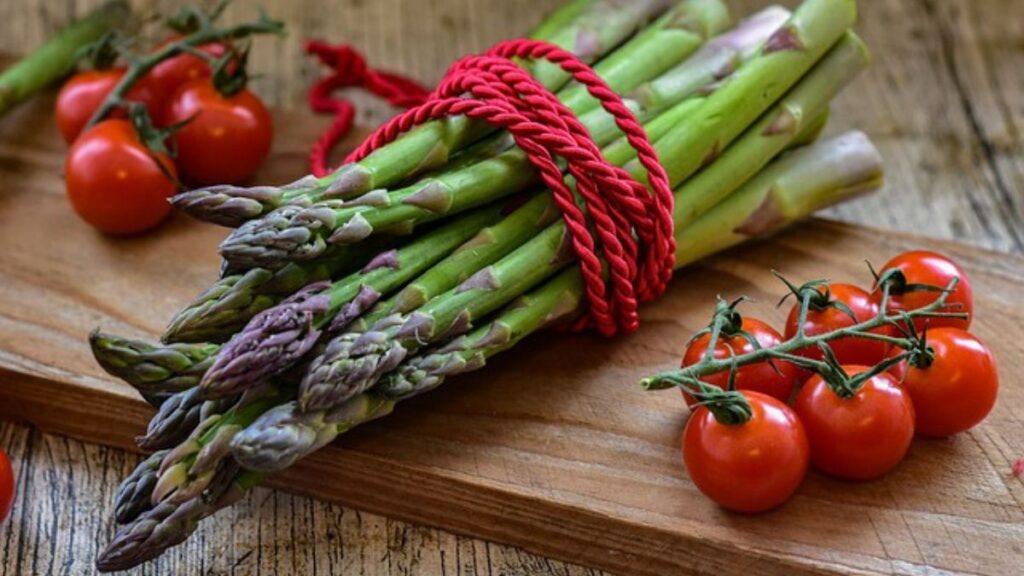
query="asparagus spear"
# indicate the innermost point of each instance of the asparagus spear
(152, 369)
(293, 232)
(134, 493)
(802, 186)
(353, 362)
(590, 30)
(226, 306)
(178, 417)
(55, 58)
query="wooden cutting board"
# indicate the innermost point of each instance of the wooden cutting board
(553, 447)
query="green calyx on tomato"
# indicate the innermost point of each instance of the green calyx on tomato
(917, 278)
(115, 183)
(730, 335)
(859, 437)
(751, 467)
(817, 294)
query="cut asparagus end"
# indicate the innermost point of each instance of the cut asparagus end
(788, 190)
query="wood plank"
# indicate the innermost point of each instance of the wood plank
(577, 464)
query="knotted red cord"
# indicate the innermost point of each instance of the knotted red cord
(632, 225)
(350, 71)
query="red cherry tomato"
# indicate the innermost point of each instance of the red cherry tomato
(831, 317)
(923, 267)
(228, 137)
(861, 437)
(114, 182)
(749, 467)
(170, 74)
(776, 381)
(6, 486)
(85, 91)
(957, 390)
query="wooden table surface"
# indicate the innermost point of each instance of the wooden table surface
(944, 102)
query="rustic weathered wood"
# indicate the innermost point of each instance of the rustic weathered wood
(943, 101)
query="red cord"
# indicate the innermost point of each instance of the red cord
(632, 225)
(350, 71)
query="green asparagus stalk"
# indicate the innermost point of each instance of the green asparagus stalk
(430, 146)
(352, 363)
(54, 59)
(798, 112)
(294, 233)
(800, 185)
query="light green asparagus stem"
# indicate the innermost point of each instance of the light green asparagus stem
(291, 233)
(659, 47)
(814, 28)
(54, 59)
(798, 112)
(799, 184)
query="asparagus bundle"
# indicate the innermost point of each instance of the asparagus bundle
(236, 299)
(316, 347)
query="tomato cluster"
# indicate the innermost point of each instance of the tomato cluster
(118, 176)
(944, 383)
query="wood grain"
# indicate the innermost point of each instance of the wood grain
(944, 101)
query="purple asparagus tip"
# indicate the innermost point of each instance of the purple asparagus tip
(269, 344)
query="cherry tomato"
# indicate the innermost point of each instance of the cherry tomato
(828, 318)
(861, 437)
(957, 390)
(170, 74)
(749, 467)
(776, 381)
(6, 486)
(923, 267)
(85, 91)
(228, 137)
(114, 182)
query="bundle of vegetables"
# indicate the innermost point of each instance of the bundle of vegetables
(346, 294)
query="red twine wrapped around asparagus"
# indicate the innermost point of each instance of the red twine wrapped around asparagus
(622, 223)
